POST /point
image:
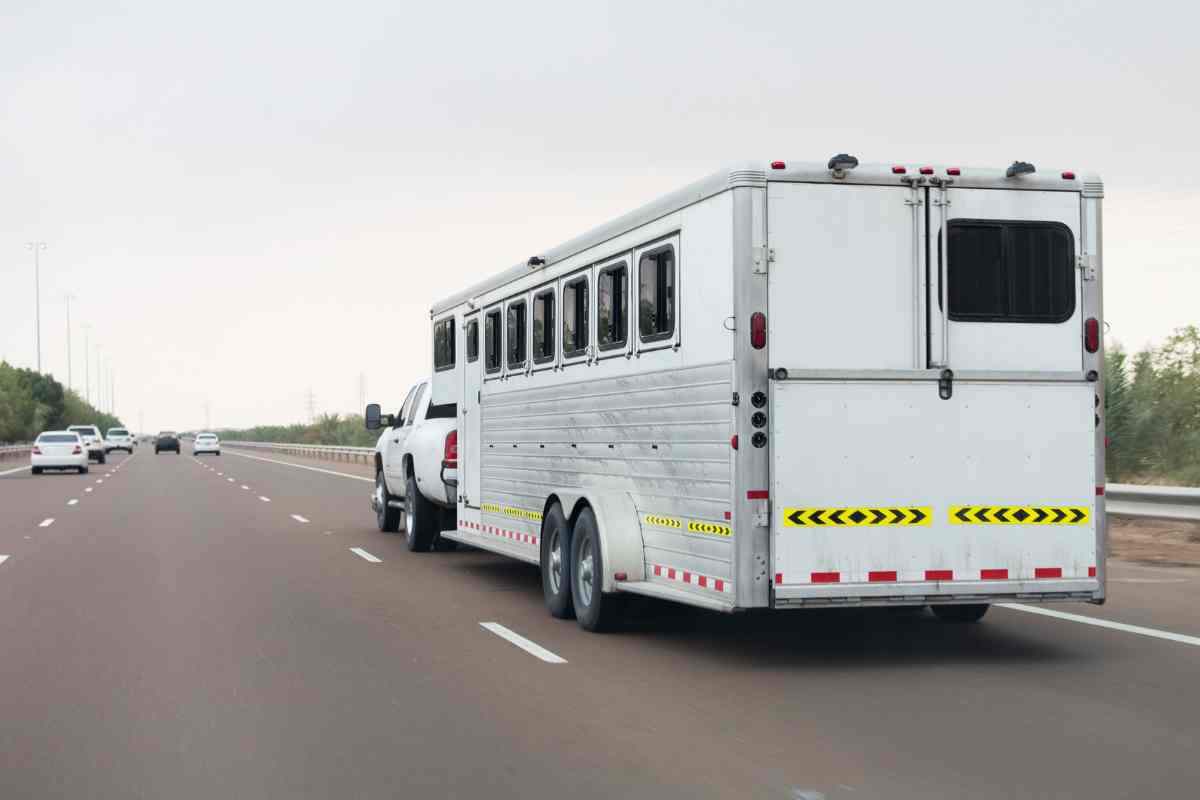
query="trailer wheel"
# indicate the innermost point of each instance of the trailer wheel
(420, 518)
(556, 563)
(594, 610)
(968, 613)
(386, 517)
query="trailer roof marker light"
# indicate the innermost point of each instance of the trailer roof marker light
(953, 171)
(899, 170)
(1020, 168)
(926, 170)
(778, 165)
(1068, 176)
(733, 441)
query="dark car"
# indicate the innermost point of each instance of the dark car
(167, 440)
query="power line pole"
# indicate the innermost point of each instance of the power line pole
(70, 383)
(312, 405)
(37, 248)
(87, 368)
(99, 379)
(112, 392)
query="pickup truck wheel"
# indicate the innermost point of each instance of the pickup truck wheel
(103, 458)
(967, 613)
(556, 563)
(594, 610)
(420, 518)
(386, 517)
(36, 470)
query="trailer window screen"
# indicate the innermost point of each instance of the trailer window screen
(443, 344)
(473, 340)
(517, 325)
(1011, 271)
(575, 317)
(543, 327)
(612, 306)
(491, 341)
(656, 293)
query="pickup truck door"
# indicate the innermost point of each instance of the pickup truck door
(393, 452)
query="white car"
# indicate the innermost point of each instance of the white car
(206, 443)
(58, 450)
(93, 442)
(118, 439)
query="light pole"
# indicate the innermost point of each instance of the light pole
(37, 248)
(99, 379)
(70, 382)
(87, 368)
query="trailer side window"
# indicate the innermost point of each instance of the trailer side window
(517, 325)
(575, 317)
(656, 293)
(443, 344)
(612, 306)
(491, 341)
(543, 326)
(1011, 271)
(473, 340)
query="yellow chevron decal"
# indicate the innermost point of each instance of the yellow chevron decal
(1019, 515)
(857, 516)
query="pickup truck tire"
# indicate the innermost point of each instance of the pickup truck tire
(103, 459)
(594, 610)
(36, 470)
(556, 563)
(959, 614)
(386, 517)
(420, 518)
(83, 470)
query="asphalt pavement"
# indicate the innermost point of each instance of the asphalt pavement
(236, 627)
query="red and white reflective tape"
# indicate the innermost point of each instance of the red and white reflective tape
(940, 575)
(504, 533)
(693, 579)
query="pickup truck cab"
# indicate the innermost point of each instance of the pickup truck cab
(93, 442)
(416, 467)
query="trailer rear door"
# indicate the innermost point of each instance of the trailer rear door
(890, 481)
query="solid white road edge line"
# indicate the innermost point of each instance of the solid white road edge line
(11, 471)
(299, 518)
(533, 648)
(304, 466)
(358, 551)
(46, 523)
(1104, 623)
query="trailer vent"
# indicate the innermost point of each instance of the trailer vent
(747, 177)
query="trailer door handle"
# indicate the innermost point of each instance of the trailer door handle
(946, 384)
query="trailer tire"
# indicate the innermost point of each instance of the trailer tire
(420, 518)
(556, 563)
(594, 610)
(961, 614)
(386, 517)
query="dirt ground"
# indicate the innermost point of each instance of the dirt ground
(1154, 541)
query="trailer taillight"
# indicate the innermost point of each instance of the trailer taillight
(926, 170)
(450, 454)
(1091, 335)
(953, 171)
(758, 330)
(733, 441)
(1068, 176)
(897, 170)
(778, 165)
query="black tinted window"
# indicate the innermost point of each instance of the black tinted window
(491, 341)
(575, 317)
(515, 338)
(543, 326)
(656, 293)
(473, 340)
(443, 344)
(612, 306)
(1011, 271)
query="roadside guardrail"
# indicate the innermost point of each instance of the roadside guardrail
(14, 451)
(362, 455)
(1153, 502)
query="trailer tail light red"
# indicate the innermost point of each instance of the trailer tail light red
(899, 170)
(620, 576)
(733, 441)
(1068, 176)
(450, 454)
(758, 330)
(778, 165)
(926, 170)
(1091, 335)
(953, 171)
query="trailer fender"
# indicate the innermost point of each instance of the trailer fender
(621, 546)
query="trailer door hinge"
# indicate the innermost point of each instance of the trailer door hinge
(1087, 266)
(762, 257)
(762, 515)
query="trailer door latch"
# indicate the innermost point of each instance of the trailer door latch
(1087, 266)
(946, 384)
(762, 257)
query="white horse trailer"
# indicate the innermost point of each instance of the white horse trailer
(793, 385)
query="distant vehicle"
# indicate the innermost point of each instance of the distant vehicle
(58, 450)
(118, 439)
(167, 440)
(93, 442)
(206, 443)
(415, 468)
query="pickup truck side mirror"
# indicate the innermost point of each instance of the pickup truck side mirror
(373, 417)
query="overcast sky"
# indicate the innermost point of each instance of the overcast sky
(255, 199)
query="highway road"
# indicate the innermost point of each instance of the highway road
(236, 627)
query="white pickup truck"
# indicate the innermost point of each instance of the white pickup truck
(416, 468)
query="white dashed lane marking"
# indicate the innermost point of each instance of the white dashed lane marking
(299, 518)
(264, 499)
(46, 523)
(88, 489)
(358, 551)
(72, 501)
(533, 648)
(3, 559)
(244, 486)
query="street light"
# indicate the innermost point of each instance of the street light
(36, 248)
(87, 369)
(70, 382)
